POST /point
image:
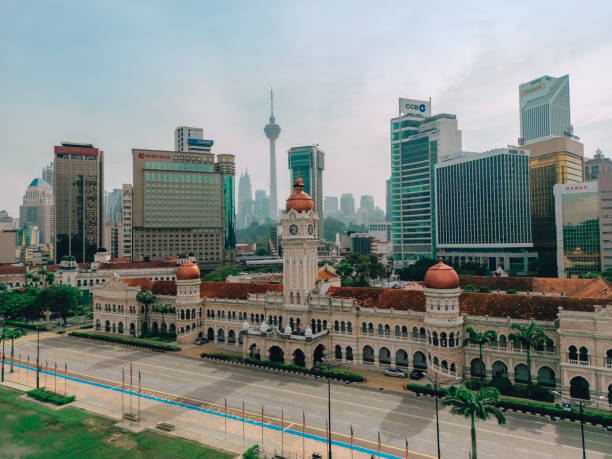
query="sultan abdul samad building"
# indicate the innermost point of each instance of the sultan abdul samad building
(305, 318)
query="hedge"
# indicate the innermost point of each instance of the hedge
(527, 406)
(129, 341)
(29, 326)
(252, 452)
(337, 373)
(50, 397)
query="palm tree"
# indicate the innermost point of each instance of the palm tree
(164, 309)
(146, 298)
(529, 337)
(474, 337)
(12, 333)
(481, 405)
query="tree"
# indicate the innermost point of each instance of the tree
(481, 405)
(529, 337)
(60, 299)
(472, 268)
(146, 298)
(164, 309)
(357, 270)
(474, 337)
(331, 227)
(220, 273)
(12, 333)
(416, 271)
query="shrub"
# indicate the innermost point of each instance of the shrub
(29, 326)
(511, 291)
(553, 410)
(473, 384)
(50, 397)
(541, 394)
(520, 390)
(502, 384)
(221, 356)
(252, 452)
(129, 341)
(484, 289)
(61, 332)
(84, 327)
(469, 288)
(427, 390)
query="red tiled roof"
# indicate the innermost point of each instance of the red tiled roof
(10, 269)
(137, 265)
(568, 287)
(237, 291)
(144, 283)
(325, 274)
(165, 287)
(475, 304)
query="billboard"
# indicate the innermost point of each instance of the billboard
(414, 107)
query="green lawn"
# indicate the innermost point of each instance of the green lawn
(33, 431)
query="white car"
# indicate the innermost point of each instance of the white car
(395, 373)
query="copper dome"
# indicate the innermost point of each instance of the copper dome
(188, 271)
(441, 276)
(299, 201)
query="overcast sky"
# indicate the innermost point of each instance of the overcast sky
(123, 75)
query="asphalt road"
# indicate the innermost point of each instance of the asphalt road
(395, 416)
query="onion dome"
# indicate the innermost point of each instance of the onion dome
(299, 201)
(188, 271)
(441, 276)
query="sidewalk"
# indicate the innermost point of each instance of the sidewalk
(199, 421)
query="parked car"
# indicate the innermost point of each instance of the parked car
(416, 374)
(201, 341)
(395, 373)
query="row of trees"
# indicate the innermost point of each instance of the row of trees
(358, 270)
(28, 303)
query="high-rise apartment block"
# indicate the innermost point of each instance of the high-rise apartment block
(78, 190)
(596, 166)
(112, 205)
(183, 202)
(191, 139)
(483, 212)
(38, 210)
(125, 240)
(330, 206)
(555, 160)
(347, 204)
(47, 173)
(545, 108)
(418, 142)
(308, 163)
(578, 234)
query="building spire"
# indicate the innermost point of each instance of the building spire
(271, 103)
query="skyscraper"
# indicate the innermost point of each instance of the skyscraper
(47, 174)
(191, 139)
(482, 210)
(183, 203)
(347, 204)
(418, 142)
(308, 163)
(125, 240)
(38, 210)
(245, 201)
(261, 206)
(331, 206)
(112, 205)
(597, 166)
(78, 191)
(272, 131)
(545, 108)
(388, 200)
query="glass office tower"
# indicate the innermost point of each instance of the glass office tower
(308, 163)
(418, 142)
(577, 220)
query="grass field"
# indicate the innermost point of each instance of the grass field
(35, 431)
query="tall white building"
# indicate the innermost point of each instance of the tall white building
(545, 108)
(38, 210)
(191, 139)
(47, 173)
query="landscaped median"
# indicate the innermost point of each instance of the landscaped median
(42, 395)
(527, 406)
(28, 325)
(335, 373)
(152, 345)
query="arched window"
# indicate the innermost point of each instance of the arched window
(583, 355)
(387, 330)
(503, 341)
(398, 331)
(349, 353)
(338, 353)
(546, 377)
(368, 354)
(415, 333)
(443, 339)
(435, 338)
(521, 373)
(401, 358)
(477, 368)
(404, 331)
(349, 328)
(343, 327)
(422, 333)
(370, 328)
(451, 340)
(572, 353)
(609, 358)
(579, 388)
(384, 356)
(380, 330)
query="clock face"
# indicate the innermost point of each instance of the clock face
(310, 229)
(293, 230)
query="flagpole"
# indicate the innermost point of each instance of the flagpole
(262, 423)
(55, 379)
(352, 441)
(46, 371)
(122, 390)
(131, 380)
(407, 450)
(282, 431)
(28, 370)
(243, 422)
(379, 444)
(303, 434)
(225, 417)
(139, 392)
(65, 378)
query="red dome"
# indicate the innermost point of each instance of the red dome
(299, 201)
(441, 276)
(188, 271)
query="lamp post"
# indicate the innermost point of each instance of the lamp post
(37, 358)
(3, 335)
(436, 386)
(581, 405)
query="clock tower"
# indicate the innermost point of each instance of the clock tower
(299, 239)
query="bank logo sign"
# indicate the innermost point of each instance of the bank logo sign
(414, 107)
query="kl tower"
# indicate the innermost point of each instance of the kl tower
(272, 131)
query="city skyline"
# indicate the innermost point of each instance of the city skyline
(354, 91)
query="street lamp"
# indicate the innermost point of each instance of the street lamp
(436, 386)
(3, 335)
(581, 404)
(37, 357)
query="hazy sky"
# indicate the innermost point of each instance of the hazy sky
(123, 75)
